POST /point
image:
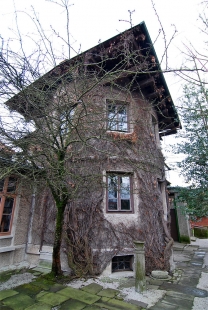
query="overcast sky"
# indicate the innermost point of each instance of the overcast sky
(92, 21)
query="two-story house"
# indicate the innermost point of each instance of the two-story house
(113, 106)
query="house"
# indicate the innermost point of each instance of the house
(112, 101)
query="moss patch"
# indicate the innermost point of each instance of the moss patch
(19, 302)
(53, 299)
(92, 288)
(185, 239)
(108, 292)
(6, 275)
(73, 304)
(39, 306)
(28, 289)
(7, 293)
(79, 295)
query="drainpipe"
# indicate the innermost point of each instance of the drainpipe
(31, 216)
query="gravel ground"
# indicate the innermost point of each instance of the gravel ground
(15, 280)
(149, 297)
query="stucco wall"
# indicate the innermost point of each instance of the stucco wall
(13, 247)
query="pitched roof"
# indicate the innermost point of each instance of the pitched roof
(132, 55)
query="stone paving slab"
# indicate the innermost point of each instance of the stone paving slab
(92, 307)
(128, 283)
(73, 304)
(53, 299)
(108, 292)
(28, 289)
(138, 303)
(44, 285)
(7, 293)
(190, 281)
(178, 302)
(164, 306)
(196, 292)
(56, 287)
(39, 306)
(73, 293)
(115, 304)
(92, 288)
(5, 308)
(42, 293)
(19, 302)
(191, 248)
(179, 295)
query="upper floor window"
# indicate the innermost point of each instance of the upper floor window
(155, 130)
(119, 192)
(7, 203)
(66, 121)
(118, 119)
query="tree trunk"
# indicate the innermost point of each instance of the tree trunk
(56, 260)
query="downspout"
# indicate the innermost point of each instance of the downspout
(31, 216)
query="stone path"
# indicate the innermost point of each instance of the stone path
(42, 294)
(46, 295)
(182, 291)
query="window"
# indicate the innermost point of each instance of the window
(119, 191)
(7, 203)
(155, 130)
(66, 121)
(122, 263)
(117, 116)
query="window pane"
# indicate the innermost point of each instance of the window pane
(5, 223)
(122, 119)
(112, 204)
(11, 185)
(1, 185)
(112, 119)
(8, 205)
(125, 192)
(112, 192)
(125, 205)
(7, 215)
(112, 187)
(125, 187)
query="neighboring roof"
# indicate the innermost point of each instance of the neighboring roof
(146, 71)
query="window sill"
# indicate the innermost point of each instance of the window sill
(120, 212)
(6, 237)
(122, 135)
(7, 249)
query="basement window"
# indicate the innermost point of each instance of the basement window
(122, 263)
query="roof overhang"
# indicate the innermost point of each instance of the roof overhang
(143, 69)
